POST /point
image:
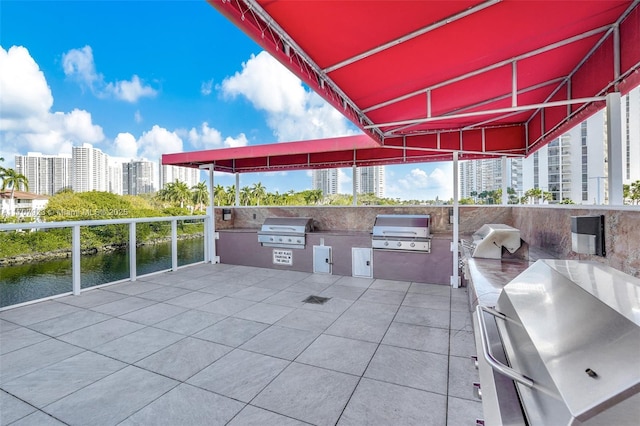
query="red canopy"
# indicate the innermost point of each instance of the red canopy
(426, 78)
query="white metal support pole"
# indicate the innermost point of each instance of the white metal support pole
(455, 278)
(212, 220)
(132, 251)
(174, 245)
(354, 185)
(206, 223)
(75, 260)
(505, 180)
(614, 148)
(237, 203)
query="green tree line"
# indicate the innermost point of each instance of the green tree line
(94, 205)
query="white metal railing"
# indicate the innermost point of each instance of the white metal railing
(75, 240)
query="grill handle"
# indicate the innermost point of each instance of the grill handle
(282, 228)
(486, 351)
(394, 232)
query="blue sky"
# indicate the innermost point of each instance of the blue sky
(141, 78)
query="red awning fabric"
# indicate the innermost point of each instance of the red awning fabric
(360, 150)
(483, 78)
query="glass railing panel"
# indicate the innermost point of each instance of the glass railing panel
(153, 253)
(190, 241)
(40, 264)
(105, 254)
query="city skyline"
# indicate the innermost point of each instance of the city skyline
(89, 169)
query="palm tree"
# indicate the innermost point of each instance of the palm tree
(180, 193)
(165, 193)
(312, 196)
(245, 196)
(634, 192)
(12, 179)
(219, 194)
(534, 194)
(258, 192)
(231, 195)
(200, 195)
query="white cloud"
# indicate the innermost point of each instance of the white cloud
(293, 113)
(137, 116)
(345, 182)
(24, 89)
(130, 91)
(27, 123)
(78, 124)
(125, 145)
(78, 64)
(206, 87)
(241, 140)
(158, 141)
(420, 184)
(418, 178)
(208, 138)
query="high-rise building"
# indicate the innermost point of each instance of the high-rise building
(138, 177)
(169, 174)
(574, 166)
(46, 174)
(89, 168)
(370, 180)
(631, 136)
(478, 176)
(326, 180)
(115, 178)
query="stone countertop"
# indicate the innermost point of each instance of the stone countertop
(487, 277)
(443, 235)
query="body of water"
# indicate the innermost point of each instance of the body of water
(21, 283)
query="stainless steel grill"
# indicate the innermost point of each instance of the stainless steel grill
(567, 335)
(489, 240)
(402, 232)
(285, 232)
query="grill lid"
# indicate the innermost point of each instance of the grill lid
(287, 225)
(401, 226)
(574, 328)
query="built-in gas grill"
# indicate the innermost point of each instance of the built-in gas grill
(401, 232)
(489, 240)
(562, 347)
(285, 232)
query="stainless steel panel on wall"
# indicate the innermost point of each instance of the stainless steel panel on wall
(362, 262)
(322, 260)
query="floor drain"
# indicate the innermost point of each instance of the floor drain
(317, 300)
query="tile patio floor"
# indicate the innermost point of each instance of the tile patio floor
(224, 344)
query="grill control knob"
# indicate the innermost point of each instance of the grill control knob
(399, 244)
(412, 244)
(289, 240)
(280, 239)
(386, 243)
(271, 238)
